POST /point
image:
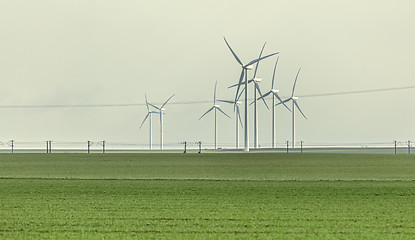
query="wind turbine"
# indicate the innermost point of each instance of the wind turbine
(256, 89)
(215, 107)
(237, 117)
(149, 113)
(295, 105)
(274, 94)
(244, 71)
(161, 112)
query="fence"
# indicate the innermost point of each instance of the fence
(392, 147)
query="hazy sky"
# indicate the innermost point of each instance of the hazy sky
(113, 52)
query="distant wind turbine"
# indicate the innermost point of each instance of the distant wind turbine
(215, 107)
(274, 94)
(161, 112)
(295, 105)
(149, 113)
(237, 117)
(244, 71)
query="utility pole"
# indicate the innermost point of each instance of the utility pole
(288, 144)
(395, 146)
(12, 145)
(103, 146)
(89, 145)
(301, 143)
(409, 147)
(200, 146)
(47, 146)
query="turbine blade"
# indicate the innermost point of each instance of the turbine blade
(220, 110)
(259, 90)
(233, 53)
(278, 97)
(239, 83)
(167, 101)
(235, 85)
(259, 59)
(239, 115)
(273, 75)
(296, 104)
(214, 94)
(286, 100)
(265, 95)
(260, 54)
(207, 112)
(240, 94)
(148, 109)
(292, 93)
(144, 119)
(154, 106)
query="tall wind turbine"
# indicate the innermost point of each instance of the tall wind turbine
(161, 112)
(237, 117)
(274, 95)
(244, 71)
(215, 107)
(149, 113)
(256, 89)
(295, 105)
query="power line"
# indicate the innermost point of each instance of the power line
(196, 102)
(356, 92)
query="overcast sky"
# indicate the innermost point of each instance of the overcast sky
(113, 52)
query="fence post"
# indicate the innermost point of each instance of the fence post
(185, 145)
(12, 145)
(89, 145)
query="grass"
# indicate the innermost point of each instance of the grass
(208, 196)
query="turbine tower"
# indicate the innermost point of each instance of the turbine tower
(161, 112)
(215, 107)
(237, 117)
(295, 105)
(244, 71)
(149, 113)
(274, 94)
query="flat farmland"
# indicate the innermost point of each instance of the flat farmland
(207, 196)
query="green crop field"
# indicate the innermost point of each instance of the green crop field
(207, 196)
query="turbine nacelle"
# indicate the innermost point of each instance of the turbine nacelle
(162, 109)
(294, 98)
(257, 79)
(216, 106)
(250, 67)
(275, 90)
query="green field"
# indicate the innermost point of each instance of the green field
(207, 196)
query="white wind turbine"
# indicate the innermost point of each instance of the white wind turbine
(149, 113)
(244, 71)
(237, 117)
(274, 94)
(295, 105)
(215, 107)
(254, 80)
(161, 112)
